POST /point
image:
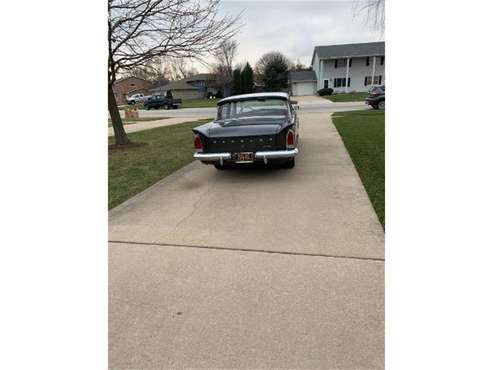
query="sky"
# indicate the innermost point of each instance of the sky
(295, 27)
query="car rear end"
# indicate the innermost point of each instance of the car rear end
(375, 95)
(274, 147)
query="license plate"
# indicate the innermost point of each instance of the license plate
(244, 157)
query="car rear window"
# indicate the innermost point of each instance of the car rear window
(252, 108)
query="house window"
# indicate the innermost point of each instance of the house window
(335, 63)
(377, 80)
(382, 60)
(350, 61)
(341, 82)
(367, 61)
(326, 84)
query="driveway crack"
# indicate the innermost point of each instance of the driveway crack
(375, 259)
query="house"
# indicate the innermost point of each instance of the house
(127, 86)
(195, 87)
(180, 90)
(349, 67)
(302, 82)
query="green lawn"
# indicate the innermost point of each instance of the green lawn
(363, 133)
(136, 105)
(336, 98)
(132, 170)
(135, 120)
(199, 103)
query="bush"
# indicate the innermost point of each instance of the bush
(323, 92)
(219, 94)
(169, 95)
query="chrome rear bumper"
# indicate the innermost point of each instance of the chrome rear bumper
(277, 154)
(265, 156)
(212, 157)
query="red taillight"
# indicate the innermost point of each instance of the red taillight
(197, 143)
(290, 139)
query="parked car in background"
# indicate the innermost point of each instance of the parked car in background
(249, 128)
(376, 97)
(135, 98)
(161, 101)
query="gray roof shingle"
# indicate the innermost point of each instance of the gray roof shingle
(175, 85)
(349, 50)
(296, 76)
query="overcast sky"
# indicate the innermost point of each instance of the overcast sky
(295, 27)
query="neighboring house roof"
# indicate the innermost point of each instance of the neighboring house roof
(349, 50)
(299, 76)
(254, 96)
(129, 77)
(175, 85)
(201, 77)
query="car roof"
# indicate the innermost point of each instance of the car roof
(278, 95)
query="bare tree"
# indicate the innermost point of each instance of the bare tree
(224, 55)
(142, 30)
(299, 66)
(179, 68)
(154, 71)
(374, 12)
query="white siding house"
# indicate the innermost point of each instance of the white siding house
(349, 67)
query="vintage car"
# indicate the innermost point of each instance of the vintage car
(249, 128)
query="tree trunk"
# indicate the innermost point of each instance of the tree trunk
(121, 137)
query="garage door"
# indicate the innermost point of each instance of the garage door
(304, 88)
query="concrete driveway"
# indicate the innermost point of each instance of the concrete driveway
(250, 268)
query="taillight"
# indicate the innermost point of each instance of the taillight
(290, 139)
(197, 143)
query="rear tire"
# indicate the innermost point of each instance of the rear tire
(219, 167)
(290, 163)
(381, 104)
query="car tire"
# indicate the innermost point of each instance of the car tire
(290, 163)
(381, 104)
(374, 106)
(220, 167)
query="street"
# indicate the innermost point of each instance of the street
(251, 268)
(307, 104)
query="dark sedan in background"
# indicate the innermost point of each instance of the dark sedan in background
(250, 128)
(376, 97)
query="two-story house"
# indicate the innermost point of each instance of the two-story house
(349, 67)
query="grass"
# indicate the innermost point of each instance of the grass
(357, 96)
(136, 105)
(363, 133)
(135, 120)
(132, 170)
(199, 103)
